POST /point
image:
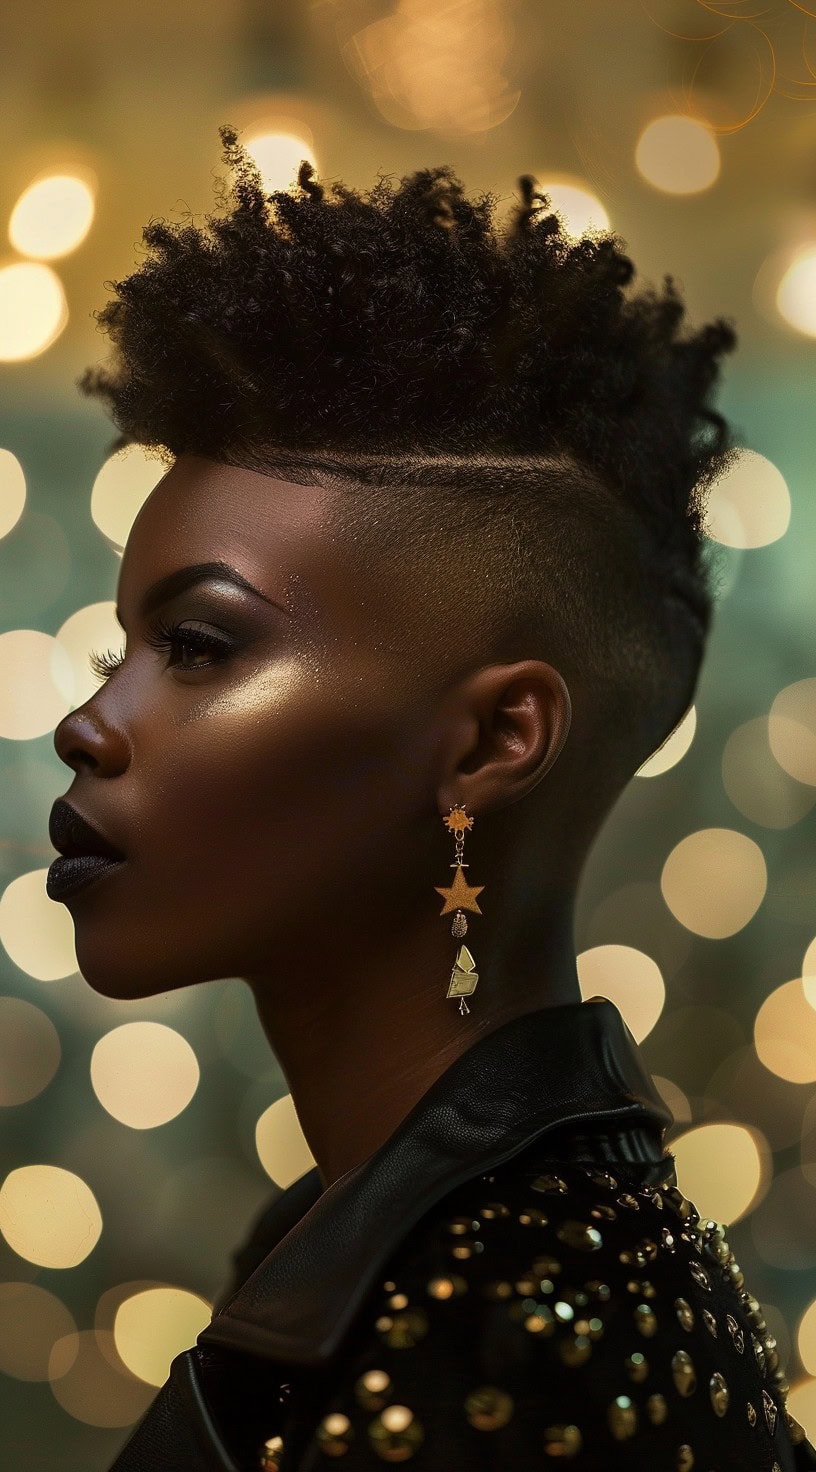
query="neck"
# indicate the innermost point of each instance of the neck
(361, 1043)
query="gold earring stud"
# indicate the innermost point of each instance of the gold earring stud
(459, 897)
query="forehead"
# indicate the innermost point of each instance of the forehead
(276, 533)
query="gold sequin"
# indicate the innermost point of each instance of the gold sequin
(622, 1418)
(683, 1372)
(494, 1209)
(637, 1366)
(759, 1353)
(449, 1287)
(769, 1407)
(667, 1241)
(602, 1178)
(718, 1390)
(710, 1322)
(395, 1434)
(271, 1454)
(644, 1287)
(752, 1415)
(684, 1460)
(579, 1235)
(575, 1351)
(373, 1389)
(549, 1183)
(562, 1441)
(646, 1320)
(462, 1224)
(700, 1275)
(334, 1434)
(657, 1409)
(487, 1408)
(737, 1336)
(403, 1331)
(685, 1313)
(540, 1321)
(629, 1201)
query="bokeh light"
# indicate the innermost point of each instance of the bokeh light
(32, 1319)
(49, 1216)
(678, 154)
(93, 627)
(281, 1144)
(673, 749)
(33, 310)
(755, 782)
(785, 1033)
(36, 684)
(29, 1051)
(86, 1382)
(279, 153)
(12, 491)
(749, 504)
(52, 216)
(714, 881)
(782, 1224)
(806, 1338)
(796, 293)
(579, 208)
(37, 933)
(120, 489)
(628, 978)
(438, 64)
(722, 1168)
(792, 730)
(144, 1073)
(153, 1326)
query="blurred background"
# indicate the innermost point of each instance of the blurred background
(688, 128)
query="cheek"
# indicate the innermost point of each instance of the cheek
(270, 786)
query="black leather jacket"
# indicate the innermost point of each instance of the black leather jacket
(513, 1278)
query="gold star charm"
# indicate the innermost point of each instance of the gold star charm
(460, 895)
(457, 818)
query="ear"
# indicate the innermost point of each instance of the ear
(508, 726)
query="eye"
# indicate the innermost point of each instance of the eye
(176, 640)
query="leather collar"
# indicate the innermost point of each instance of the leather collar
(575, 1065)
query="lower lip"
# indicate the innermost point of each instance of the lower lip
(67, 875)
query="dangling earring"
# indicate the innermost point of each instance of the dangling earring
(460, 896)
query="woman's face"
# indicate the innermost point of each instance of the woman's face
(254, 777)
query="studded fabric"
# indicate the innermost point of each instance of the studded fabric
(553, 1313)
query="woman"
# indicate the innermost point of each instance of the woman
(421, 589)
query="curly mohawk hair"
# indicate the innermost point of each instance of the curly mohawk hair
(398, 340)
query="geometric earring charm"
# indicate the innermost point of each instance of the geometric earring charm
(459, 897)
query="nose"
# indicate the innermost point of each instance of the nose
(84, 740)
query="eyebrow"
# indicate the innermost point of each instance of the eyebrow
(187, 577)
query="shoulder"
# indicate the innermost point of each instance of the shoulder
(554, 1310)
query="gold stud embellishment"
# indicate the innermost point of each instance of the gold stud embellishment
(718, 1390)
(373, 1389)
(657, 1408)
(459, 897)
(685, 1313)
(487, 1408)
(683, 1372)
(752, 1415)
(636, 1366)
(562, 1441)
(271, 1454)
(710, 1322)
(684, 1461)
(396, 1433)
(737, 1335)
(769, 1407)
(334, 1434)
(580, 1235)
(622, 1418)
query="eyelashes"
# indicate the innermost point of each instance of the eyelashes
(172, 639)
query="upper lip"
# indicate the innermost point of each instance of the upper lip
(72, 834)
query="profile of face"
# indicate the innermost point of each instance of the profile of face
(254, 752)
